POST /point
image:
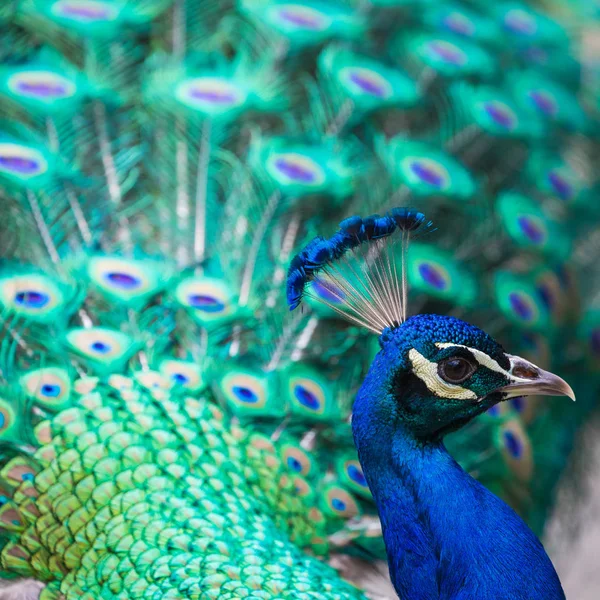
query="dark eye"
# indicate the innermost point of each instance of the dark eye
(455, 369)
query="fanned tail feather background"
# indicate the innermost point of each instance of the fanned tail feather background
(167, 428)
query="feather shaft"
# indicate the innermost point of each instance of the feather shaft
(42, 227)
(202, 193)
(257, 240)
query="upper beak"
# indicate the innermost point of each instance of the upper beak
(529, 380)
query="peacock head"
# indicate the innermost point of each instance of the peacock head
(434, 373)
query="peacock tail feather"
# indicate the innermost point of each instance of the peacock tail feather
(167, 428)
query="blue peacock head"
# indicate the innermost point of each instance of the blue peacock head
(433, 373)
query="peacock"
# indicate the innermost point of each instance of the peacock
(432, 376)
(172, 177)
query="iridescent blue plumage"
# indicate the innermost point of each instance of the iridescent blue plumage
(446, 535)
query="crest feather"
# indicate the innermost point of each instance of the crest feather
(355, 271)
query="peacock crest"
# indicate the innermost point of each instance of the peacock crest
(355, 272)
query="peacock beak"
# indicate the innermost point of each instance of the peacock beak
(527, 380)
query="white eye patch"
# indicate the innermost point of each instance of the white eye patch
(485, 361)
(427, 372)
(481, 357)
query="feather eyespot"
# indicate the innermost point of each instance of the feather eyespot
(427, 171)
(245, 394)
(446, 52)
(124, 280)
(211, 95)
(301, 487)
(244, 390)
(298, 17)
(340, 503)
(294, 464)
(182, 373)
(99, 343)
(459, 23)
(351, 474)
(84, 11)
(498, 411)
(513, 444)
(522, 306)
(516, 449)
(501, 114)
(543, 101)
(561, 184)
(296, 460)
(31, 299)
(32, 295)
(355, 473)
(456, 369)
(365, 81)
(308, 396)
(51, 386)
(520, 21)
(7, 417)
(294, 168)
(44, 86)
(533, 228)
(206, 303)
(208, 298)
(518, 404)
(20, 161)
(434, 275)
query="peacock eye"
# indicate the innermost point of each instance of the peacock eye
(455, 369)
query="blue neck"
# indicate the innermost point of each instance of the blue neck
(447, 537)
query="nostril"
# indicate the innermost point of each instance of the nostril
(525, 371)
